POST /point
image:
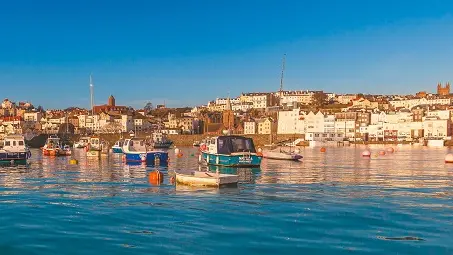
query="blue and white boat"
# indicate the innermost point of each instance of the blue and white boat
(161, 141)
(14, 151)
(138, 150)
(118, 147)
(237, 151)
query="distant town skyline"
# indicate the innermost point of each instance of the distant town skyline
(185, 54)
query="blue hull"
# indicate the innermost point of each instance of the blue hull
(151, 157)
(7, 157)
(117, 150)
(232, 160)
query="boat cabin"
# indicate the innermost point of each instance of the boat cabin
(95, 143)
(53, 142)
(136, 145)
(14, 143)
(230, 145)
(119, 143)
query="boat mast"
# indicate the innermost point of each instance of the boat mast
(91, 95)
(282, 75)
(281, 90)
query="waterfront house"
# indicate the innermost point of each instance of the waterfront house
(290, 122)
(250, 127)
(266, 126)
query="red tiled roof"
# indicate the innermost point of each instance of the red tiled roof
(11, 118)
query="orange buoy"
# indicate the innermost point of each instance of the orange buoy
(180, 155)
(449, 158)
(156, 177)
(172, 179)
(323, 149)
(382, 153)
(259, 154)
(390, 150)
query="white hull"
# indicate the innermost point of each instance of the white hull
(93, 154)
(436, 143)
(206, 179)
(79, 145)
(281, 155)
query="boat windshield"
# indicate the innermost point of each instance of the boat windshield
(232, 144)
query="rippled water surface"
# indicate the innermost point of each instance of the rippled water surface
(331, 203)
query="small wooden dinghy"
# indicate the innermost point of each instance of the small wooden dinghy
(206, 179)
(281, 155)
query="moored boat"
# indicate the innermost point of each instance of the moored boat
(118, 147)
(13, 150)
(66, 150)
(82, 143)
(52, 147)
(282, 155)
(161, 141)
(196, 144)
(138, 150)
(94, 147)
(230, 150)
(206, 179)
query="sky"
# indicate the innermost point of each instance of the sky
(185, 53)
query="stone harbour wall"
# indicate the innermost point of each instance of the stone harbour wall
(188, 140)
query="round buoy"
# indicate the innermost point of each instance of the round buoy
(366, 153)
(180, 155)
(322, 149)
(177, 151)
(390, 150)
(260, 150)
(73, 162)
(449, 158)
(172, 180)
(382, 153)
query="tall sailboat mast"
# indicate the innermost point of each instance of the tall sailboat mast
(283, 71)
(91, 95)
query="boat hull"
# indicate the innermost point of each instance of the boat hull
(282, 156)
(117, 150)
(14, 157)
(251, 160)
(150, 157)
(93, 154)
(162, 145)
(52, 152)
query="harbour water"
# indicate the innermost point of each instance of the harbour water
(331, 203)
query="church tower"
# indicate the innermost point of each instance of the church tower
(443, 91)
(111, 101)
(228, 116)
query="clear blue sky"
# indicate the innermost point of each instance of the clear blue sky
(187, 52)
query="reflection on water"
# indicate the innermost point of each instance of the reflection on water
(333, 202)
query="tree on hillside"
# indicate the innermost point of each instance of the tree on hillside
(40, 108)
(319, 99)
(148, 107)
(112, 128)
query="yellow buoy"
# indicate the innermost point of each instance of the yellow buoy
(73, 162)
